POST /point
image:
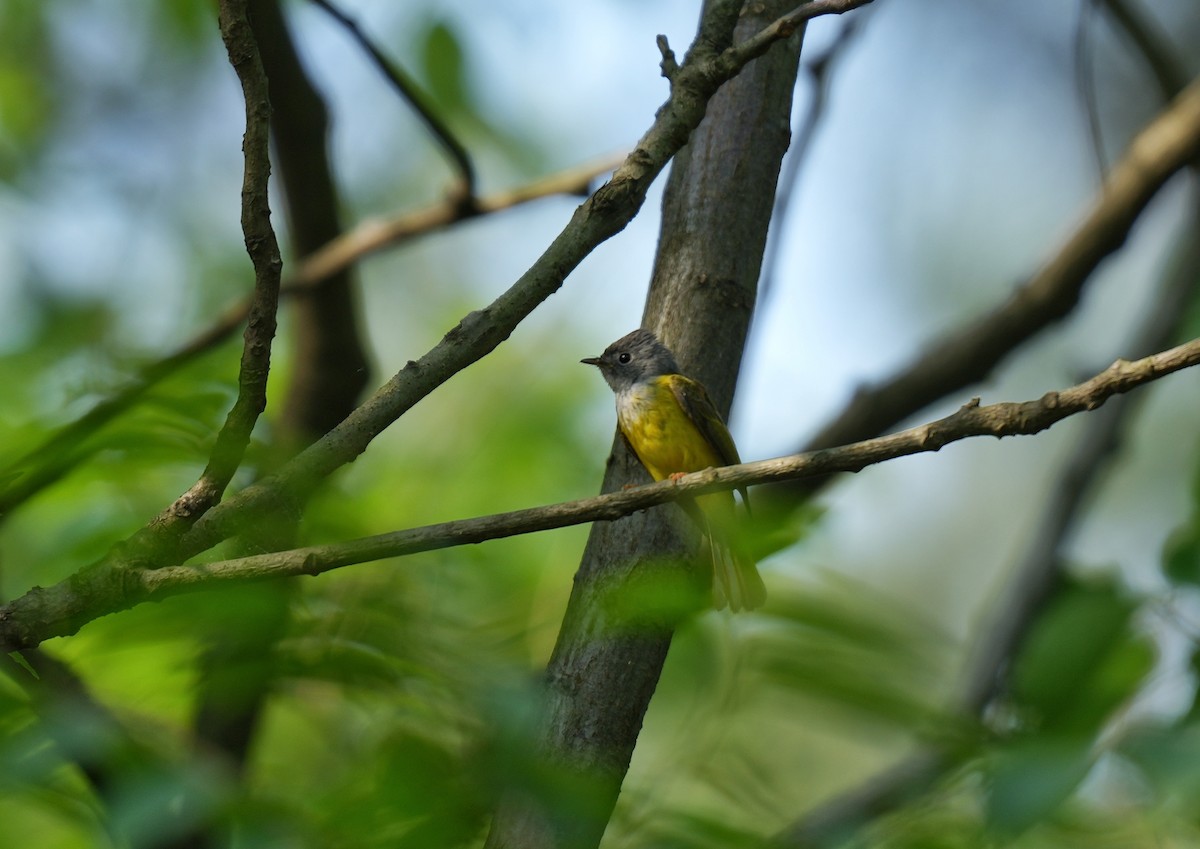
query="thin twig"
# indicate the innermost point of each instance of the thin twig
(1152, 45)
(372, 236)
(1085, 81)
(61, 609)
(263, 249)
(412, 93)
(820, 77)
(786, 25)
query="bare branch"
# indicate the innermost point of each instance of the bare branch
(1155, 49)
(1030, 587)
(417, 100)
(998, 420)
(372, 236)
(263, 248)
(60, 452)
(1168, 143)
(788, 24)
(820, 76)
(602, 216)
(62, 609)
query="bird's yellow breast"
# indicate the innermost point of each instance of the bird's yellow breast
(661, 432)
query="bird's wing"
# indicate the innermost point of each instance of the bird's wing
(693, 399)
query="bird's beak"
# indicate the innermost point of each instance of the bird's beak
(591, 361)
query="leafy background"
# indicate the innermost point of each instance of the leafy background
(954, 155)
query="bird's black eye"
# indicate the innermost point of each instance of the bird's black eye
(623, 358)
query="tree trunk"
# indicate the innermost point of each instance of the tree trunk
(604, 668)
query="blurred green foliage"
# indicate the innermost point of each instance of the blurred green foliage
(1081, 660)
(405, 693)
(443, 62)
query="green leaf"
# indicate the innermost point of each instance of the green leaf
(19, 660)
(1169, 758)
(1030, 780)
(1080, 661)
(444, 68)
(1181, 554)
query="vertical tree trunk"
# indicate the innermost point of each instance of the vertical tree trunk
(604, 668)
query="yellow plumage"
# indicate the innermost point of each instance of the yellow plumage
(673, 427)
(660, 432)
(668, 441)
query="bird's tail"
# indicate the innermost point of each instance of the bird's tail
(735, 581)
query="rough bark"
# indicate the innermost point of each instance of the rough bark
(715, 216)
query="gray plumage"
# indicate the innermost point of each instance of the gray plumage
(633, 359)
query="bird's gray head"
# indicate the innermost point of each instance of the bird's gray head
(633, 359)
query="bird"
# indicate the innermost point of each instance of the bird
(673, 428)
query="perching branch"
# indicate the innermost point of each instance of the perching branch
(1028, 591)
(599, 218)
(63, 608)
(998, 420)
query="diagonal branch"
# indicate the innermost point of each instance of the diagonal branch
(372, 236)
(600, 217)
(1032, 583)
(1167, 144)
(1152, 45)
(62, 450)
(63, 608)
(465, 195)
(886, 791)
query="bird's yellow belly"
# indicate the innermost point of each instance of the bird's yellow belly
(661, 433)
